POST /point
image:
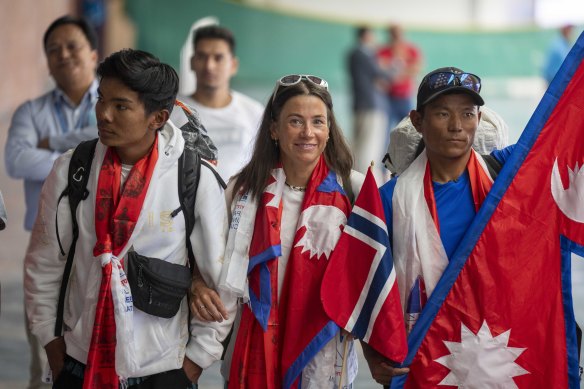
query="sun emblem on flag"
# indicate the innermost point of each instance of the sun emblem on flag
(275, 185)
(323, 229)
(569, 200)
(481, 360)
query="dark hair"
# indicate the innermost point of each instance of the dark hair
(361, 31)
(215, 32)
(254, 176)
(83, 24)
(155, 82)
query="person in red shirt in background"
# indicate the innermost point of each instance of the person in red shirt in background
(401, 90)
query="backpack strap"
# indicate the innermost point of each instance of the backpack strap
(198, 147)
(189, 175)
(579, 342)
(76, 190)
(493, 165)
(209, 166)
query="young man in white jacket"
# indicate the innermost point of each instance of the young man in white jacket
(133, 191)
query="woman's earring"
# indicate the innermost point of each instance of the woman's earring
(276, 142)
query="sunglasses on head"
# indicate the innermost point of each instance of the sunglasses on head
(293, 79)
(443, 79)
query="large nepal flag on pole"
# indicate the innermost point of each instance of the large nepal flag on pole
(501, 315)
(359, 290)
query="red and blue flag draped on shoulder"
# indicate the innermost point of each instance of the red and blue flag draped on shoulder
(502, 314)
(307, 327)
(359, 290)
(265, 246)
(278, 336)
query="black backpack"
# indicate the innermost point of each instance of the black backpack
(199, 149)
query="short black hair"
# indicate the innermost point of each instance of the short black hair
(361, 31)
(155, 82)
(215, 32)
(82, 23)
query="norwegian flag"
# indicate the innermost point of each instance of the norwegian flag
(502, 314)
(359, 290)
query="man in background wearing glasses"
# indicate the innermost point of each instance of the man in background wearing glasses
(429, 207)
(230, 117)
(49, 125)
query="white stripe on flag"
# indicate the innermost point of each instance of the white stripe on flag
(380, 251)
(371, 217)
(379, 304)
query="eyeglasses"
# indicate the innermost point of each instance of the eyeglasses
(293, 79)
(466, 80)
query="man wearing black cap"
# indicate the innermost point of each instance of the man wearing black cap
(429, 207)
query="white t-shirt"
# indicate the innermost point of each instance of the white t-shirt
(232, 128)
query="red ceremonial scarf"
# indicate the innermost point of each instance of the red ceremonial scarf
(265, 354)
(116, 214)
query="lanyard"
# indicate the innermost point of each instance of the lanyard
(83, 120)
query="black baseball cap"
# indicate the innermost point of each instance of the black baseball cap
(448, 80)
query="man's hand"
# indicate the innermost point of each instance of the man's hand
(192, 370)
(55, 350)
(44, 144)
(206, 304)
(382, 369)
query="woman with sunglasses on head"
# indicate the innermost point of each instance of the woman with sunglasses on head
(289, 204)
(443, 187)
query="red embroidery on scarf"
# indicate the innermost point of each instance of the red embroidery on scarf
(116, 215)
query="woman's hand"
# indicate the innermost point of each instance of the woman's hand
(192, 370)
(206, 304)
(55, 350)
(349, 336)
(382, 369)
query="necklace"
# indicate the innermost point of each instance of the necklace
(296, 188)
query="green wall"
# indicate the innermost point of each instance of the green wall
(271, 44)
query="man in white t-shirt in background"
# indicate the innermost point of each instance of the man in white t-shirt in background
(231, 118)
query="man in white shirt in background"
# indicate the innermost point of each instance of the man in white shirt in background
(231, 118)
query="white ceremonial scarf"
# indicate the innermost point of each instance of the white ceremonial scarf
(417, 247)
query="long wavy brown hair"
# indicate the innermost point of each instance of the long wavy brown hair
(254, 176)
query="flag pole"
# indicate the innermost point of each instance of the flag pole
(344, 365)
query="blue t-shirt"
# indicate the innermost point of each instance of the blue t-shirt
(454, 204)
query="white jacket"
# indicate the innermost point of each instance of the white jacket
(161, 343)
